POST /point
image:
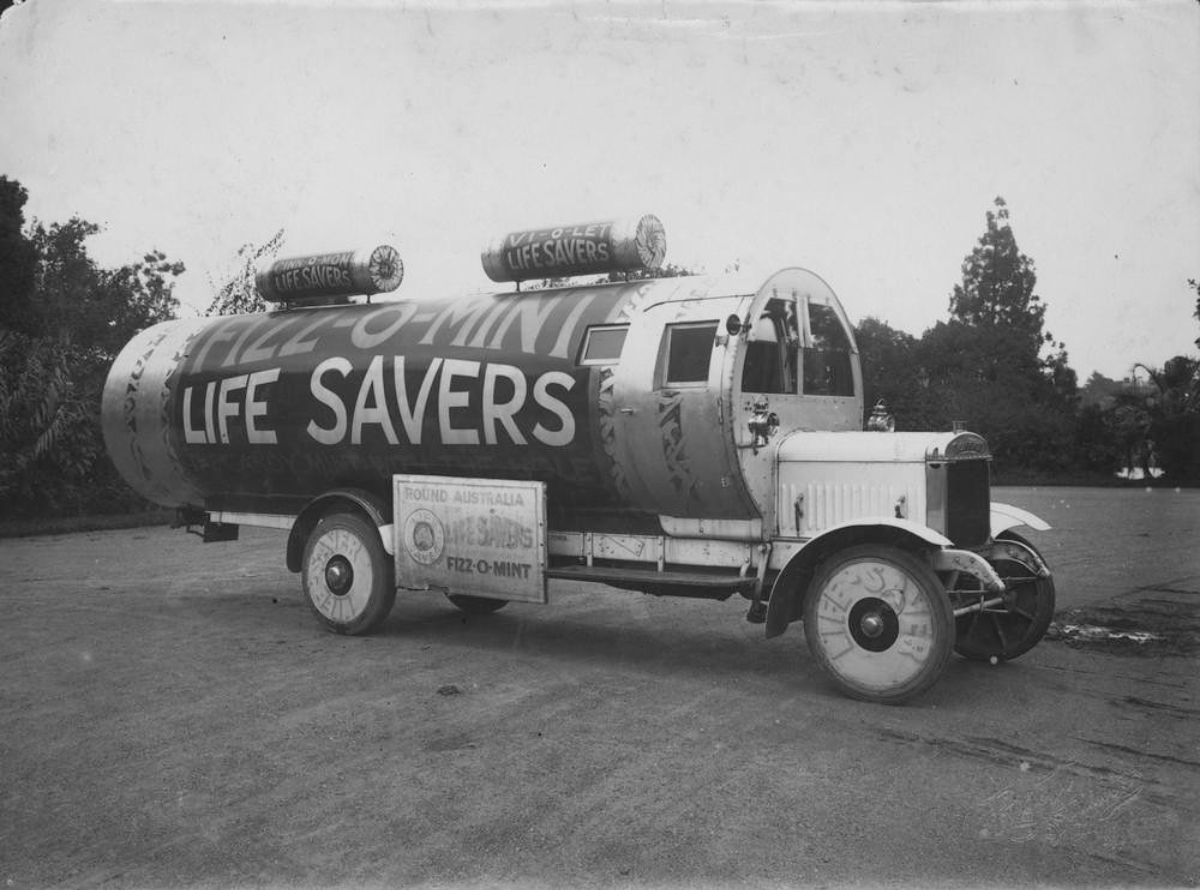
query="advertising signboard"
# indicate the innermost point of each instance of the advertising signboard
(480, 537)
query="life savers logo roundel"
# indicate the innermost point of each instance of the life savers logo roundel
(424, 537)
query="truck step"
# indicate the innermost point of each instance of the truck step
(627, 575)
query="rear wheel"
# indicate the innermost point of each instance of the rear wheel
(879, 622)
(346, 574)
(1012, 629)
(476, 605)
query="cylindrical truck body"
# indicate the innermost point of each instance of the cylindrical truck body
(260, 412)
(650, 398)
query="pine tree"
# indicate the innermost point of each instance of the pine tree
(987, 364)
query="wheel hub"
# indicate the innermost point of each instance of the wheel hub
(874, 624)
(339, 575)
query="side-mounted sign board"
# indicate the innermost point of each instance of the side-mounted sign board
(471, 536)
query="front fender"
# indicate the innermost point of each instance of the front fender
(1005, 516)
(924, 532)
(784, 603)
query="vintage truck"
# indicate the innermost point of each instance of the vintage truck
(697, 436)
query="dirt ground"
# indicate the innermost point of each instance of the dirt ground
(173, 716)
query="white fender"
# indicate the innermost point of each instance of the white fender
(1005, 517)
(923, 532)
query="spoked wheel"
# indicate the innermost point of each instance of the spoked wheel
(879, 622)
(476, 605)
(1012, 629)
(347, 576)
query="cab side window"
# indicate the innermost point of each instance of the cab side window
(771, 351)
(827, 367)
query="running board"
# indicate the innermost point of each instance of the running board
(624, 575)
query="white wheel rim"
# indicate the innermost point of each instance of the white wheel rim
(334, 552)
(849, 616)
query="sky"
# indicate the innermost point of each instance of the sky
(865, 141)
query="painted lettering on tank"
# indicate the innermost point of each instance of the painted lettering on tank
(541, 394)
(222, 332)
(257, 408)
(533, 317)
(411, 414)
(492, 377)
(331, 400)
(548, 325)
(302, 343)
(503, 413)
(365, 338)
(237, 398)
(258, 351)
(567, 332)
(450, 399)
(370, 407)
(461, 319)
(464, 401)
(232, 359)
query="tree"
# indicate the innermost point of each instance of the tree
(997, 292)
(998, 282)
(58, 338)
(50, 438)
(892, 372)
(987, 363)
(79, 303)
(985, 378)
(1100, 391)
(239, 294)
(1101, 444)
(18, 261)
(1173, 412)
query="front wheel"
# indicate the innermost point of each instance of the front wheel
(879, 622)
(1012, 629)
(346, 575)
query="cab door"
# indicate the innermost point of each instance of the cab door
(797, 370)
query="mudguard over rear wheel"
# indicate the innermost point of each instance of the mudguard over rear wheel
(347, 575)
(879, 622)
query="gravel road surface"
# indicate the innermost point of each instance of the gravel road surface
(172, 716)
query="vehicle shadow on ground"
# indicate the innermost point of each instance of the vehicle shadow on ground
(616, 632)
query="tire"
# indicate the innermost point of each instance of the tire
(1029, 602)
(476, 605)
(347, 575)
(879, 623)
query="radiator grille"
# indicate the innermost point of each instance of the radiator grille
(968, 502)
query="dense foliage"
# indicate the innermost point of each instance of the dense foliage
(63, 319)
(994, 367)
